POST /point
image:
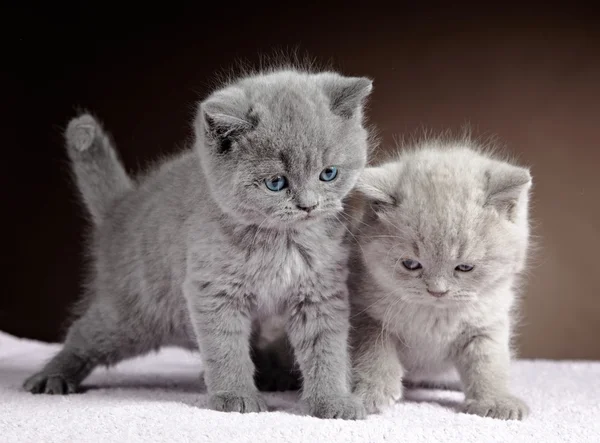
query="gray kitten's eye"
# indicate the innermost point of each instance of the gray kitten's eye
(276, 183)
(328, 174)
(411, 265)
(464, 268)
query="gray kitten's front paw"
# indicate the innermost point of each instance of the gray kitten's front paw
(376, 397)
(49, 384)
(236, 402)
(504, 408)
(346, 408)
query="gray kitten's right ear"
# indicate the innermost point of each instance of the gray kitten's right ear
(346, 94)
(223, 117)
(378, 185)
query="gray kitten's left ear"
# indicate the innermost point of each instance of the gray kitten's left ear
(346, 94)
(507, 185)
(224, 117)
(378, 185)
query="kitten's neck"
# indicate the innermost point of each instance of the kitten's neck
(271, 231)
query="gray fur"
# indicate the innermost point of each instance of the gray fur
(442, 204)
(96, 166)
(201, 249)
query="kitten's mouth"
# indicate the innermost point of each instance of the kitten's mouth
(440, 302)
(306, 216)
(447, 300)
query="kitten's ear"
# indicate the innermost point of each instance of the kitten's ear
(346, 94)
(507, 186)
(378, 185)
(224, 117)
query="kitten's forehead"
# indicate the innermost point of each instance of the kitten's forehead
(295, 125)
(442, 212)
(293, 108)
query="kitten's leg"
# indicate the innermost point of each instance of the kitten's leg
(483, 363)
(97, 338)
(223, 324)
(377, 371)
(318, 331)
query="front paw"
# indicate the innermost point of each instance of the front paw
(504, 408)
(236, 402)
(376, 397)
(346, 407)
(43, 383)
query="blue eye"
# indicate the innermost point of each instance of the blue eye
(328, 174)
(411, 265)
(464, 268)
(276, 183)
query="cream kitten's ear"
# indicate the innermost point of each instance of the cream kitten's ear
(223, 117)
(378, 185)
(507, 186)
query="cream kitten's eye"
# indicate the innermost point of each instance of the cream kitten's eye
(411, 265)
(464, 268)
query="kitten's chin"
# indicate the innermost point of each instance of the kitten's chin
(304, 218)
(282, 222)
(441, 302)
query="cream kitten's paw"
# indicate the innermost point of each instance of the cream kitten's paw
(378, 396)
(504, 408)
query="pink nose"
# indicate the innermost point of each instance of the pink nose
(437, 294)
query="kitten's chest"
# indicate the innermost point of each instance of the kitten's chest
(279, 266)
(428, 337)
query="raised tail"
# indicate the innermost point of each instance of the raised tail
(99, 173)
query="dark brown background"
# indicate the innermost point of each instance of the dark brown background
(528, 74)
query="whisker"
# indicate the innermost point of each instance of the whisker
(350, 232)
(357, 219)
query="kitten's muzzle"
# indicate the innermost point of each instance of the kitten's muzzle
(307, 208)
(437, 294)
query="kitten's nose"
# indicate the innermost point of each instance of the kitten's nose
(437, 294)
(307, 208)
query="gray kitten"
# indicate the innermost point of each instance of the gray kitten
(240, 228)
(443, 239)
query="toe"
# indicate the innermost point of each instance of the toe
(56, 386)
(232, 402)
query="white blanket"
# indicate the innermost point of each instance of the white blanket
(159, 398)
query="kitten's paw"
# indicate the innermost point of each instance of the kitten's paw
(376, 397)
(236, 402)
(81, 132)
(345, 408)
(503, 408)
(49, 384)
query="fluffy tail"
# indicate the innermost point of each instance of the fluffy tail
(99, 173)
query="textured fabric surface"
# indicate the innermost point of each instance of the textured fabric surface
(160, 398)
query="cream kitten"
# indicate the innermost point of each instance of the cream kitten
(433, 285)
